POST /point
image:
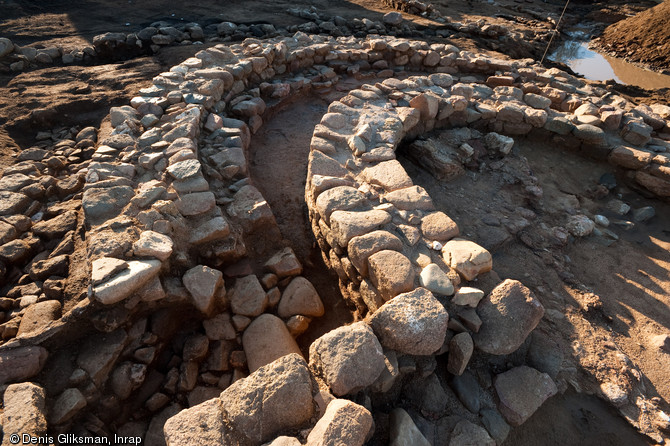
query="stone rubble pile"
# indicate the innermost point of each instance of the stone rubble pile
(516, 43)
(154, 220)
(118, 46)
(416, 7)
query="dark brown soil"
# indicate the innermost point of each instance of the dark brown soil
(630, 277)
(644, 38)
(278, 166)
(575, 419)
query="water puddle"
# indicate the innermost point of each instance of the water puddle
(592, 65)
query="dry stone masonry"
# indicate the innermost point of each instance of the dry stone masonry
(153, 221)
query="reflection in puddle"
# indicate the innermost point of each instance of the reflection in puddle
(595, 66)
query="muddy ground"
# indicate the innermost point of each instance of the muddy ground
(630, 277)
(644, 38)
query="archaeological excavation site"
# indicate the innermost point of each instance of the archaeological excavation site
(335, 223)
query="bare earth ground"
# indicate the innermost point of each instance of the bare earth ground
(631, 276)
(644, 38)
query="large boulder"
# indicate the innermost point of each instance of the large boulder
(19, 364)
(391, 272)
(414, 323)
(466, 433)
(348, 358)
(403, 430)
(521, 391)
(267, 339)
(24, 411)
(344, 423)
(274, 398)
(509, 313)
(201, 425)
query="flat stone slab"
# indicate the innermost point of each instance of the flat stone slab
(57, 226)
(630, 157)
(13, 202)
(120, 286)
(347, 225)
(14, 182)
(19, 364)
(38, 316)
(153, 244)
(410, 198)
(388, 174)
(184, 170)
(467, 258)
(339, 198)
(103, 204)
(105, 267)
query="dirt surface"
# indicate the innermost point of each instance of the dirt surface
(644, 38)
(576, 419)
(284, 142)
(630, 277)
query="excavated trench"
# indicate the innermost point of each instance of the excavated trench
(278, 167)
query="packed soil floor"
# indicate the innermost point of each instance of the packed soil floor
(629, 278)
